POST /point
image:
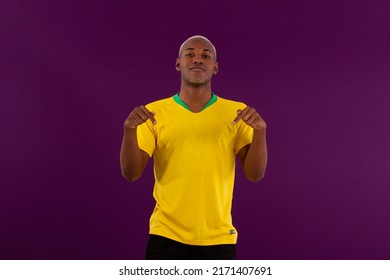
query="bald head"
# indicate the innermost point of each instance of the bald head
(198, 37)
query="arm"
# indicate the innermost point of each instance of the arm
(132, 159)
(253, 157)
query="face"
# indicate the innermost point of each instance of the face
(196, 62)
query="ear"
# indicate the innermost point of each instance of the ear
(178, 64)
(215, 68)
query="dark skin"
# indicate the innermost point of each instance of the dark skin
(197, 65)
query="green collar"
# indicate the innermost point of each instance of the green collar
(180, 102)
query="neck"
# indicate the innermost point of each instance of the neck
(195, 97)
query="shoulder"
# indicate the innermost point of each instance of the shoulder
(228, 103)
(160, 103)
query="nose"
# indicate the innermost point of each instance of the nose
(197, 59)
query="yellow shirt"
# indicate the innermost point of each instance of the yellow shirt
(194, 168)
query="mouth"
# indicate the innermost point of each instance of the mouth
(197, 69)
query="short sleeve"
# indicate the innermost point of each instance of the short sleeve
(146, 137)
(244, 136)
(244, 133)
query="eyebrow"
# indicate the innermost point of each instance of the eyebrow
(192, 49)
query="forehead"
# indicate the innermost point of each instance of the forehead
(198, 44)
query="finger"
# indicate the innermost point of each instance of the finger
(138, 117)
(240, 113)
(149, 114)
(248, 114)
(133, 120)
(151, 117)
(251, 119)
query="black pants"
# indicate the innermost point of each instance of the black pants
(161, 248)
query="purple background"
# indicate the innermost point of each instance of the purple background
(317, 71)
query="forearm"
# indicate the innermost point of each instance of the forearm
(132, 159)
(256, 158)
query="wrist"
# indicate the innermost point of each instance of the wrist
(260, 129)
(129, 129)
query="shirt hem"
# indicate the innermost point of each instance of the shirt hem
(219, 241)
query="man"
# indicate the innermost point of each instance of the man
(194, 137)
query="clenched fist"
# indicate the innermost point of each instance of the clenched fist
(138, 116)
(250, 116)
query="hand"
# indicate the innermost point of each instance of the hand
(138, 116)
(250, 116)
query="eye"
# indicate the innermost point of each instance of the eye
(205, 56)
(190, 54)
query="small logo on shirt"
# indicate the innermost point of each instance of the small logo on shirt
(232, 231)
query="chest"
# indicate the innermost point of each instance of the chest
(195, 129)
